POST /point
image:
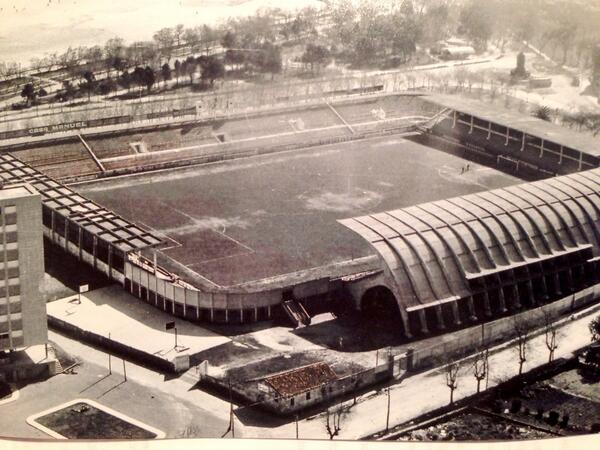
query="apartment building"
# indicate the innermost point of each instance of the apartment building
(22, 309)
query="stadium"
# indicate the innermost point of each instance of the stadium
(427, 212)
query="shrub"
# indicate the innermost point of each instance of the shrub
(497, 406)
(540, 413)
(515, 406)
(553, 417)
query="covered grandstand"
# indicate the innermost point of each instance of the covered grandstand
(80, 226)
(482, 254)
(518, 143)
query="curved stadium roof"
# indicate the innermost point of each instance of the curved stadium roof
(432, 250)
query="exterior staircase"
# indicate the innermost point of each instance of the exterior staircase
(296, 313)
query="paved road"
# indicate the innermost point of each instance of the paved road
(166, 404)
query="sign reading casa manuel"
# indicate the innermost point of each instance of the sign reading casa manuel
(59, 127)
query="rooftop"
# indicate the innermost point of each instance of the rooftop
(515, 120)
(94, 218)
(18, 190)
(303, 379)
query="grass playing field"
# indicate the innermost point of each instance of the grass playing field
(252, 218)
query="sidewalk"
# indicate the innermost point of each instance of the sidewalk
(427, 391)
(113, 312)
(410, 398)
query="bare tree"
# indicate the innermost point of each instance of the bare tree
(451, 371)
(333, 422)
(551, 332)
(191, 431)
(481, 367)
(522, 340)
(355, 383)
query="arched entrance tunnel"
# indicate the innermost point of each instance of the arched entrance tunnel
(379, 308)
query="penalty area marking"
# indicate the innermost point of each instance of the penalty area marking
(195, 219)
(164, 235)
(32, 420)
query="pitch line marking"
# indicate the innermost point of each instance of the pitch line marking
(204, 261)
(165, 235)
(234, 240)
(195, 219)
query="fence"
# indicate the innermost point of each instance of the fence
(118, 348)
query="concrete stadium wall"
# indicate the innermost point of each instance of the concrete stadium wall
(468, 341)
(196, 305)
(218, 305)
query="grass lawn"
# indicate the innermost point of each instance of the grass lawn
(578, 383)
(84, 421)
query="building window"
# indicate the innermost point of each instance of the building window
(16, 333)
(10, 219)
(292, 401)
(308, 396)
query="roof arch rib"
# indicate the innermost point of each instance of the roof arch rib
(544, 216)
(584, 209)
(493, 235)
(501, 224)
(567, 208)
(561, 219)
(476, 235)
(433, 249)
(518, 224)
(400, 257)
(458, 236)
(531, 220)
(590, 176)
(419, 257)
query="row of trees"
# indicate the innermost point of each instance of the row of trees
(253, 32)
(369, 31)
(210, 69)
(480, 367)
(581, 120)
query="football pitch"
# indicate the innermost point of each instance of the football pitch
(247, 219)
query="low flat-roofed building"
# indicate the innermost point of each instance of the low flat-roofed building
(22, 309)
